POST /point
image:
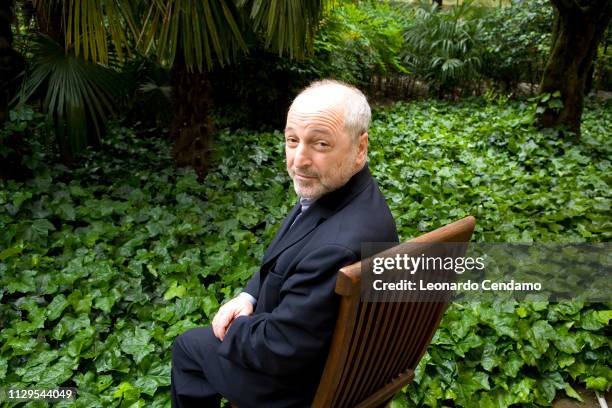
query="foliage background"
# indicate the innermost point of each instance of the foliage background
(103, 266)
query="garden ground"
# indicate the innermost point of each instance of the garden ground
(102, 266)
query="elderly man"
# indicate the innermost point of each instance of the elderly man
(267, 347)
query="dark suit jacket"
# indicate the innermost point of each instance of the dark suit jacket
(277, 354)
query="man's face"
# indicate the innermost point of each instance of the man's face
(321, 156)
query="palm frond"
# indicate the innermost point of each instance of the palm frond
(442, 46)
(78, 95)
(204, 32)
(92, 27)
(287, 25)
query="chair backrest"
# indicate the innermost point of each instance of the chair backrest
(377, 345)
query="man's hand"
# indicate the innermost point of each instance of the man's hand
(238, 306)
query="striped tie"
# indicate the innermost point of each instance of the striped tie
(305, 203)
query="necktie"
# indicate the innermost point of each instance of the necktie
(305, 203)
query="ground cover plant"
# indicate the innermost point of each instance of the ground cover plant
(103, 266)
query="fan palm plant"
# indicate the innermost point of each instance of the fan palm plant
(77, 95)
(185, 34)
(190, 37)
(442, 46)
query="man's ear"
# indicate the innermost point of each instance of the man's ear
(362, 149)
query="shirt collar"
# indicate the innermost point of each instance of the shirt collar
(306, 202)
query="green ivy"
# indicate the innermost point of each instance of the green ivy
(103, 266)
(443, 161)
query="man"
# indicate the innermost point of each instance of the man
(267, 347)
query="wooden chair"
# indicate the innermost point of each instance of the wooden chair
(377, 345)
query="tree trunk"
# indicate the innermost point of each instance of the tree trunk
(579, 26)
(12, 63)
(50, 22)
(12, 66)
(192, 126)
(588, 86)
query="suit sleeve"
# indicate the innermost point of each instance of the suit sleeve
(294, 333)
(252, 287)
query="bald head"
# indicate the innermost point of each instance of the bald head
(346, 99)
(326, 138)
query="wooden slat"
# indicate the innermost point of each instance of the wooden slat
(362, 369)
(387, 391)
(345, 381)
(385, 373)
(373, 375)
(369, 371)
(364, 352)
(414, 322)
(373, 370)
(338, 353)
(373, 346)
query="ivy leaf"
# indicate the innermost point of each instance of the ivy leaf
(468, 383)
(137, 344)
(565, 341)
(39, 228)
(80, 303)
(80, 342)
(210, 305)
(127, 392)
(56, 307)
(522, 389)
(539, 334)
(572, 393)
(158, 376)
(490, 359)
(59, 372)
(565, 360)
(3, 368)
(103, 382)
(175, 290)
(12, 251)
(179, 328)
(112, 360)
(20, 346)
(596, 383)
(547, 387)
(67, 211)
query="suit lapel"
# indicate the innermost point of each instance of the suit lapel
(287, 236)
(320, 210)
(282, 231)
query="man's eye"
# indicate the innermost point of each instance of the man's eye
(322, 144)
(291, 141)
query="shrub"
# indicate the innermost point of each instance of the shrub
(358, 42)
(102, 267)
(516, 41)
(443, 47)
(602, 76)
(24, 140)
(355, 43)
(76, 95)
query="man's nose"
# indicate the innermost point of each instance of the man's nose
(302, 157)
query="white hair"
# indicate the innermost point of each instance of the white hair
(357, 113)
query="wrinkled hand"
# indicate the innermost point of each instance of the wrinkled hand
(238, 306)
